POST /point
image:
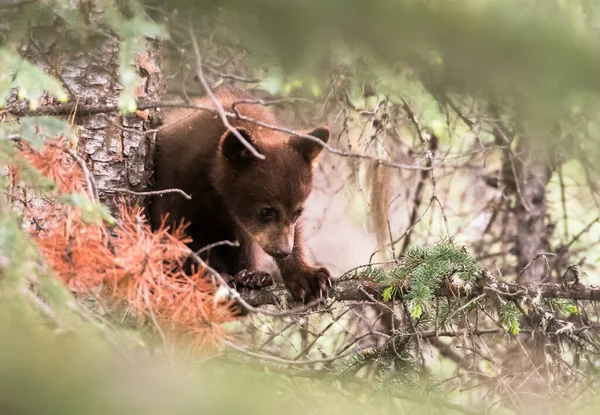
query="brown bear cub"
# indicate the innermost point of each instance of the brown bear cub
(238, 197)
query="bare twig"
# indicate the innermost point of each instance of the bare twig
(158, 328)
(150, 193)
(288, 361)
(21, 110)
(420, 189)
(40, 305)
(584, 230)
(233, 77)
(543, 254)
(264, 103)
(216, 102)
(92, 189)
(208, 247)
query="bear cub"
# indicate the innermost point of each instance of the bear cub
(238, 197)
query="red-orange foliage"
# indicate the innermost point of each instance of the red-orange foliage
(77, 251)
(130, 263)
(53, 162)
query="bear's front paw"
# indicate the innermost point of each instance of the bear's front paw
(309, 284)
(252, 279)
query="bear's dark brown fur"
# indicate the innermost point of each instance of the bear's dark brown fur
(236, 196)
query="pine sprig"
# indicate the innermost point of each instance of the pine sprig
(422, 270)
(563, 306)
(509, 316)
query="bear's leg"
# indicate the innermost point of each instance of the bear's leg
(237, 265)
(250, 279)
(246, 272)
(304, 281)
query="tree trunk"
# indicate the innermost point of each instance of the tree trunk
(117, 149)
(533, 174)
(525, 173)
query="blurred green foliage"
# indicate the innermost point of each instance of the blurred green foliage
(30, 80)
(539, 58)
(63, 366)
(536, 52)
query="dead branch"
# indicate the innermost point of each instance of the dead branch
(216, 102)
(21, 110)
(150, 193)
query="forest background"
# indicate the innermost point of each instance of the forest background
(456, 205)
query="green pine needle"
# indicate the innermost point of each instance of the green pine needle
(422, 270)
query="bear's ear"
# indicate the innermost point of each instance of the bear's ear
(233, 150)
(308, 148)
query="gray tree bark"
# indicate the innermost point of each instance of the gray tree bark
(533, 174)
(525, 173)
(117, 149)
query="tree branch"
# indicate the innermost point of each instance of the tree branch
(21, 109)
(361, 290)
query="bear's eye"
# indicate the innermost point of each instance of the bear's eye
(266, 214)
(297, 214)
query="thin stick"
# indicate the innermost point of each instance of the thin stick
(216, 102)
(151, 193)
(288, 361)
(208, 247)
(104, 108)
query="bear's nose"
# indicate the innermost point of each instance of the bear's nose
(282, 253)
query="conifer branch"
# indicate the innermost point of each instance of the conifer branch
(360, 290)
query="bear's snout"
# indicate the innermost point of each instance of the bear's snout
(282, 253)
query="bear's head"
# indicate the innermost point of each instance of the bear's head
(266, 197)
